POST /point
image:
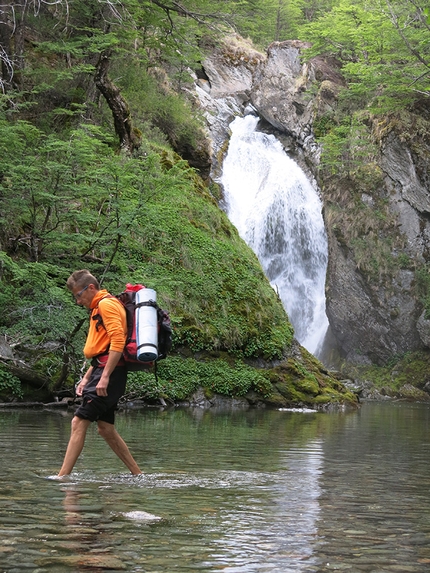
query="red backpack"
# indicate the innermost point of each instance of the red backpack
(128, 299)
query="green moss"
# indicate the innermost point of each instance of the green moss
(304, 380)
(277, 400)
(325, 398)
(308, 385)
(288, 390)
(411, 368)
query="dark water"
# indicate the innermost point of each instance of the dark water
(256, 491)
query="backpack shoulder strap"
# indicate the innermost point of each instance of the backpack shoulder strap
(96, 315)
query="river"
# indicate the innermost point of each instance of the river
(238, 491)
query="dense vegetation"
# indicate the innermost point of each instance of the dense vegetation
(142, 219)
(97, 135)
(91, 181)
(382, 49)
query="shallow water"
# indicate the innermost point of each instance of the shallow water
(256, 491)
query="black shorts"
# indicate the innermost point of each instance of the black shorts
(102, 408)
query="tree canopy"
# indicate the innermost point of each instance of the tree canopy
(383, 46)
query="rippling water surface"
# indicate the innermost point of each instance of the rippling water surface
(255, 491)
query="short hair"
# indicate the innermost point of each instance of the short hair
(82, 279)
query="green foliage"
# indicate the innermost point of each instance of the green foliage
(265, 21)
(145, 219)
(220, 378)
(39, 314)
(10, 385)
(422, 277)
(179, 378)
(162, 112)
(347, 144)
(384, 48)
(323, 125)
(43, 190)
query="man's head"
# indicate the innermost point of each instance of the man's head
(84, 286)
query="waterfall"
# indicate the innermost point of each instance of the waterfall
(278, 213)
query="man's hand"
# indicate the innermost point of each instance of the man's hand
(102, 385)
(113, 359)
(79, 388)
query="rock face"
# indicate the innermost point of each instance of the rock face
(409, 196)
(279, 94)
(225, 89)
(371, 323)
(370, 320)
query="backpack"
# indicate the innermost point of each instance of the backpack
(128, 299)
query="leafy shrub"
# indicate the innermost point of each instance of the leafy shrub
(422, 276)
(179, 378)
(39, 316)
(221, 378)
(10, 385)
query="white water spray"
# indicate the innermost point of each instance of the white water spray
(278, 213)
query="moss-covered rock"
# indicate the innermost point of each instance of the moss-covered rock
(412, 394)
(302, 380)
(407, 377)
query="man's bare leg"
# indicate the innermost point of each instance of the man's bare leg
(108, 432)
(76, 443)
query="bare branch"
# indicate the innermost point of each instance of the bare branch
(8, 65)
(117, 14)
(182, 11)
(419, 78)
(422, 93)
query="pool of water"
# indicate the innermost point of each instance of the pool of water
(244, 491)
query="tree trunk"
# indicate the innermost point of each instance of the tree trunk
(26, 374)
(128, 135)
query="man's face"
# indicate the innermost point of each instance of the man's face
(85, 295)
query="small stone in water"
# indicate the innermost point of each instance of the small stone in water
(141, 516)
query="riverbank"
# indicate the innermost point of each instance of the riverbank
(365, 391)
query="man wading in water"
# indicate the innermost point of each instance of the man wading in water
(104, 382)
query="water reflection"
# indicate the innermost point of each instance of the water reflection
(246, 492)
(376, 516)
(86, 542)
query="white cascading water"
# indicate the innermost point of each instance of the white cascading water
(278, 213)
